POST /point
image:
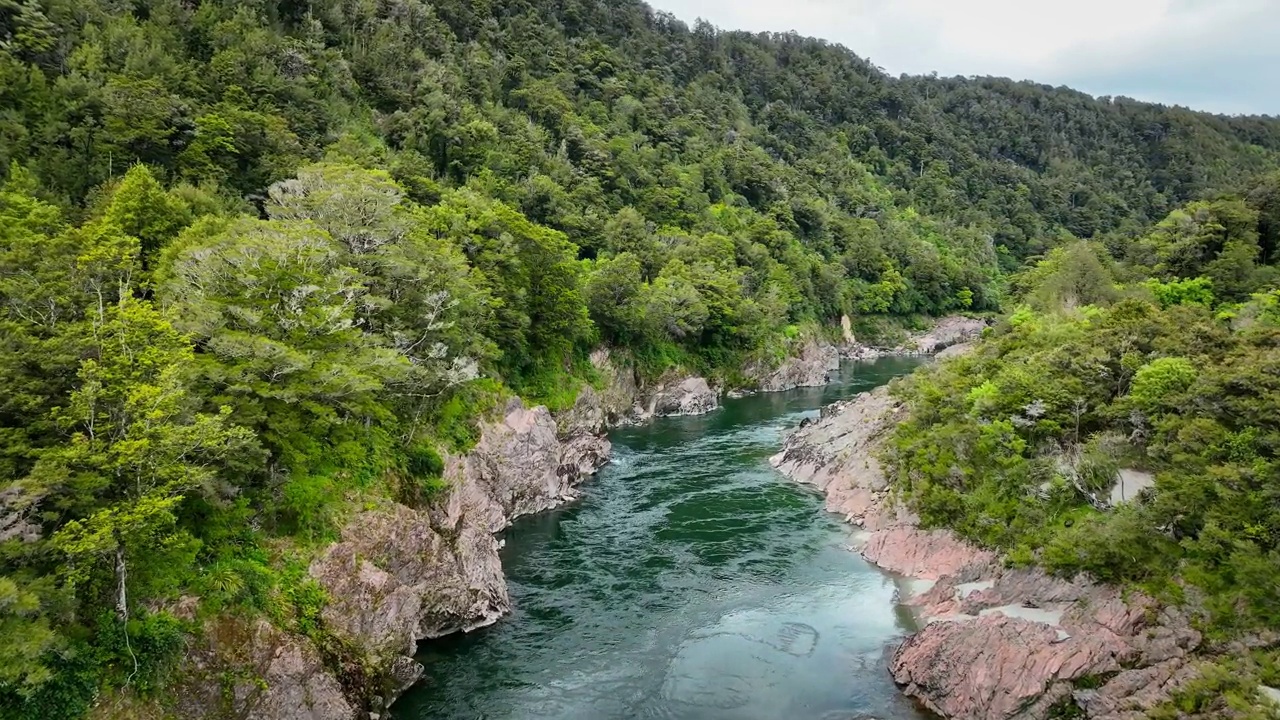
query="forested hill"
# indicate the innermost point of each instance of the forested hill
(262, 262)
(578, 109)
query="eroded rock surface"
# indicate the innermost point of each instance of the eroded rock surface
(998, 643)
(689, 396)
(838, 454)
(626, 401)
(522, 465)
(399, 575)
(248, 669)
(810, 367)
(945, 333)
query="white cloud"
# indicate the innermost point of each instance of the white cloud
(1217, 55)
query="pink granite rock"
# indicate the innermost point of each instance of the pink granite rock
(999, 643)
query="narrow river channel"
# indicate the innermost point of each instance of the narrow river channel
(691, 582)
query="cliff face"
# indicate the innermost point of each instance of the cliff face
(813, 362)
(946, 333)
(627, 401)
(811, 366)
(399, 575)
(997, 643)
(249, 669)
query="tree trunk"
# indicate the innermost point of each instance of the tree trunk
(122, 601)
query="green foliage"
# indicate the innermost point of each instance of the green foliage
(1194, 291)
(140, 207)
(1226, 688)
(456, 420)
(144, 658)
(1159, 382)
(307, 505)
(257, 264)
(425, 467)
(1018, 445)
(25, 637)
(1071, 276)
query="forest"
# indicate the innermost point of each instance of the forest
(1165, 359)
(260, 260)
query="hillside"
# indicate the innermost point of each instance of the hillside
(264, 263)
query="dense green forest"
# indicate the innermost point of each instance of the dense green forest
(258, 260)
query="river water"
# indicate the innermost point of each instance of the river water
(690, 582)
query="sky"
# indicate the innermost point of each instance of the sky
(1216, 55)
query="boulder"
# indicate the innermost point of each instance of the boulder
(689, 396)
(957, 350)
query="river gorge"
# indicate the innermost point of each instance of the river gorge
(690, 581)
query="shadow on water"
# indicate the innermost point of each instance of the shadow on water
(690, 582)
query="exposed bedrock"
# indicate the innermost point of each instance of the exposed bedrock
(996, 643)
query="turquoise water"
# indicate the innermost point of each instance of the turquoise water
(690, 582)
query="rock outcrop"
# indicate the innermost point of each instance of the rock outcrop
(945, 333)
(810, 367)
(523, 465)
(249, 669)
(997, 643)
(627, 401)
(399, 575)
(689, 396)
(838, 454)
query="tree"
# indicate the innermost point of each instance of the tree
(135, 447)
(1069, 277)
(274, 308)
(1158, 382)
(139, 207)
(613, 293)
(359, 208)
(531, 272)
(626, 232)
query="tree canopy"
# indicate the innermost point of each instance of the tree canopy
(259, 261)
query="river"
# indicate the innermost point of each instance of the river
(690, 582)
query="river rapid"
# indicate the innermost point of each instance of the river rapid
(690, 582)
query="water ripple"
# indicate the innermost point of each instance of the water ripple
(690, 583)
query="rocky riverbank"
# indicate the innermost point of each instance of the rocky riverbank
(812, 360)
(399, 575)
(627, 400)
(946, 333)
(996, 643)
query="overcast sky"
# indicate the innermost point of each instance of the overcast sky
(1216, 55)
